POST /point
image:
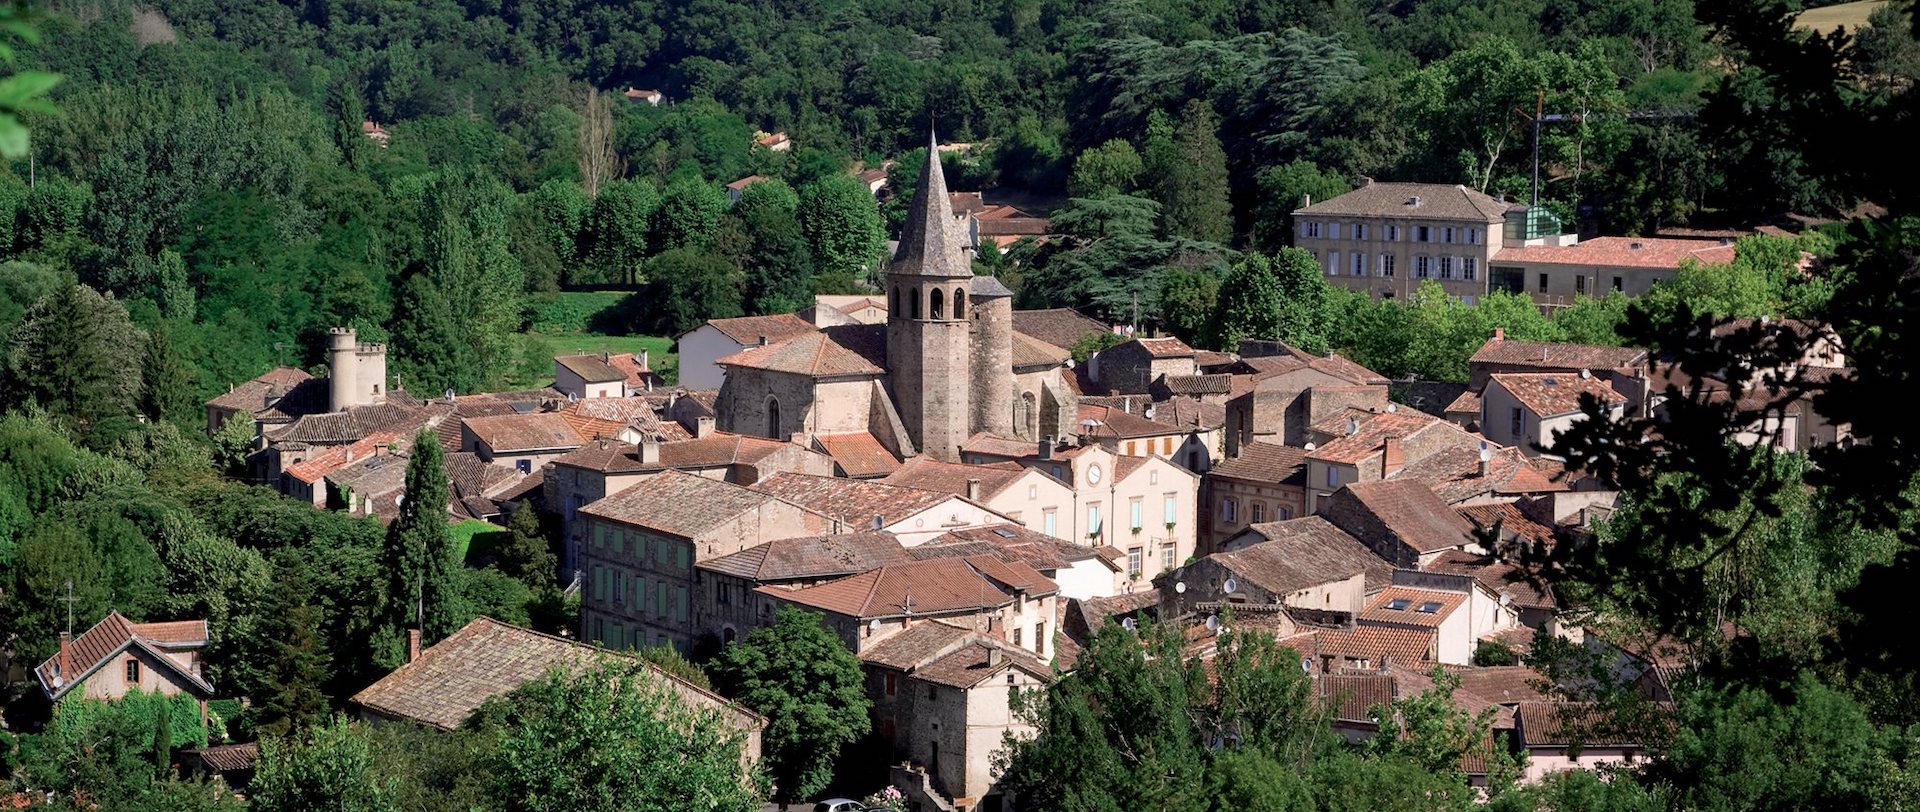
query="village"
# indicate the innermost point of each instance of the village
(932, 474)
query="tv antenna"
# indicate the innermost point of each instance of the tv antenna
(69, 600)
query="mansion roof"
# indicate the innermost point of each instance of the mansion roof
(1423, 201)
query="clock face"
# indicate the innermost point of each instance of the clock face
(1093, 474)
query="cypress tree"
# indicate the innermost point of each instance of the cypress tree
(166, 385)
(1194, 187)
(419, 557)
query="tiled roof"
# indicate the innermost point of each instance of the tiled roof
(1167, 347)
(1032, 352)
(114, 634)
(813, 354)
(637, 374)
(1059, 326)
(1352, 697)
(920, 643)
(1264, 462)
(229, 757)
(1436, 202)
(1511, 519)
(1503, 684)
(1454, 473)
(1372, 434)
(331, 458)
(930, 474)
(332, 428)
(591, 368)
(1620, 252)
(1189, 413)
(1207, 359)
(1380, 644)
(542, 431)
(1213, 384)
(372, 477)
(812, 557)
(1508, 352)
(1265, 359)
(1307, 551)
(715, 450)
(1115, 423)
(996, 446)
(1415, 609)
(677, 503)
(1563, 724)
(1468, 403)
(1008, 542)
(748, 330)
(971, 664)
(854, 500)
(930, 587)
(251, 396)
(1549, 394)
(486, 658)
(859, 454)
(745, 182)
(1412, 512)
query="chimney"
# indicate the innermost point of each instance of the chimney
(649, 449)
(1392, 459)
(349, 455)
(65, 663)
(973, 489)
(1306, 200)
(993, 656)
(646, 361)
(763, 341)
(1499, 333)
(702, 427)
(413, 645)
(1046, 448)
(606, 357)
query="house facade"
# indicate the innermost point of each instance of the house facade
(118, 656)
(1384, 239)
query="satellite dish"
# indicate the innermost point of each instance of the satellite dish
(1309, 446)
(874, 624)
(1213, 623)
(1231, 585)
(1180, 587)
(1306, 664)
(571, 397)
(1129, 623)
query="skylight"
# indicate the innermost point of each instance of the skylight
(1429, 608)
(1398, 604)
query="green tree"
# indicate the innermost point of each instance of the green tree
(689, 212)
(1249, 304)
(294, 700)
(527, 554)
(468, 256)
(1284, 189)
(642, 746)
(48, 558)
(1111, 168)
(617, 228)
(799, 675)
(418, 558)
(173, 289)
(843, 226)
(166, 384)
(773, 251)
(431, 355)
(688, 287)
(326, 767)
(1190, 177)
(68, 355)
(1187, 302)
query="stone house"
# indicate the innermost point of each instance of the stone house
(914, 515)
(1500, 354)
(1133, 366)
(118, 656)
(278, 395)
(643, 544)
(441, 686)
(1357, 446)
(1405, 522)
(1384, 239)
(700, 347)
(1304, 563)
(1558, 275)
(582, 377)
(984, 593)
(1280, 391)
(724, 606)
(1026, 495)
(1059, 327)
(1081, 572)
(1526, 409)
(603, 468)
(942, 703)
(1458, 609)
(523, 442)
(1530, 597)
(1194, 445)
(1265, 483)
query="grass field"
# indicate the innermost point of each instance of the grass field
(563, 323)
(1826, 18)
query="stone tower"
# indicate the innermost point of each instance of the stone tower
(992, 357)
(356, 372)
(929, 339)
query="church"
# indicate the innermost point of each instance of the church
(949, 362)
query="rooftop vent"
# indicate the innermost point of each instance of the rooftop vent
(1636, 245)
(1413, 201)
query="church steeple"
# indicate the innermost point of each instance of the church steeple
(930, 243)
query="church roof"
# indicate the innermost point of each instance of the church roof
(813, 354)
(930, 243)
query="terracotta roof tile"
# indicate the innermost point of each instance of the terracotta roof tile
(1549, 394)
(360, 421)
(920, 643)
(1620, 252)
(812, 557)
(1468, 403)
(316, 467)
(813, 354)
(486, 658)
(971, 664)
(1503, 684)
(1407, 606)
(1352, 697)
(252, 395)
(1411, 512)
(855, 500)
(1377, 644)
(1059, 327)
(1284, 557)
(930, 474)
(930, 587)
(1512, 520)
(229, 757)
(114, 634)
(858, 454)
(678, 503)
(717, 450)
(1168, 347)
(748, 330)
(1563, 724)
(1030, 352)
(996, 446)
(591, 368)
(1264, 462)
(1372, 434)
(507, 433)
(1507, 352)
(1210, 384)
(1008, 542)
(1118, 424)
(1436, 202)
(1454, 473)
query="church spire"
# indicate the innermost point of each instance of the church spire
(930, 244)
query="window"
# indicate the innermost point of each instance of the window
(1543, 283)
(1169, 506)
(933, 691)
(1169, 556)
(1386, 265)
(959, 305)
(1050, 522)
(1285, 513)
(1093, 519)
(523, 466)
(1310, 230)
(1133, 561)
(1420, 266)
(1359, 264)
(1517, 423)
(773, 418)
(1016, 636)
(893, 303)
(936, 306)
(1259, 512)
(1033, 491)
(1039, 643)
(1428, 608)
(133, 672)
(659, 599)
(1446, 267)
(1399, 604)
(1136, 512)
(1229, 510)
(1359, 231)
(1473, 236)
(599, 583)
(722, 594)
(1166, 450)
(1580, 284)
(1617, 284)
(619, 588)
(680, 603)
(893, 684)
(1469, 267)
(1333, 262)
(1422, 234)
(913, 304)
(1333, 231)
(1446, 234)
(1393, 233)
(1333, 477)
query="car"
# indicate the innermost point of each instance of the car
(839, 805)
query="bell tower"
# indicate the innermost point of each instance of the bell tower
(928, 336)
